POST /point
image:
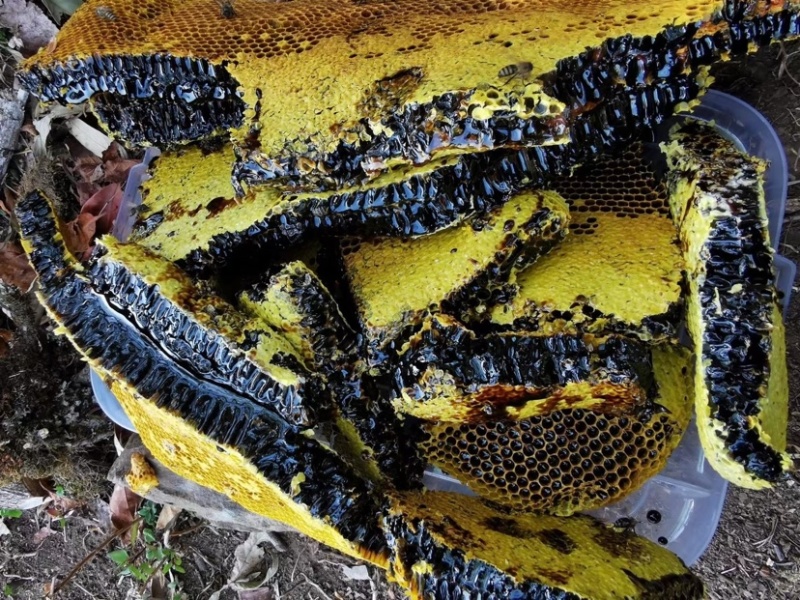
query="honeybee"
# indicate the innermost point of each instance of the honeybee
(625, 524)
(105, 13)
(226, 10)
(520, 69)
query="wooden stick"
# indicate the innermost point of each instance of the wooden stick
(12, 113)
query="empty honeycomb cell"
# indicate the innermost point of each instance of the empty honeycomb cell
(560, 478)
(733, 315)
(606, 276)
(475, 264)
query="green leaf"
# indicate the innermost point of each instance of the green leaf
(137, 572)
(148, 535)
(120, 557)
(149, 512)
(10, 513)
(178, 569)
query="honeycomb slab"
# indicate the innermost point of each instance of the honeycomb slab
(448, 373)
(620, 268)
(572, 459)
(717, 201)
(463, 269)
(449, 546)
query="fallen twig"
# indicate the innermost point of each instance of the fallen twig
(187, 531)
(768, 539)
(315, 586)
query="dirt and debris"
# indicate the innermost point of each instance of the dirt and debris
(53, 433)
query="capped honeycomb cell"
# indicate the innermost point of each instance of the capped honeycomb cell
(189, 198)
(620, 269)
(447, 373)
(568, 460)
(447, 546)
(733, 314)
(463, 269)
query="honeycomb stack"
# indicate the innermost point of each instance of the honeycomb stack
(421, 233)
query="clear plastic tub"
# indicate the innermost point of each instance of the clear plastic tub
(688, 494)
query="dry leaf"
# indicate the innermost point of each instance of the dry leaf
(249, 555)
(14, 267)
(78, 234)
(357, 573)
(158, 588)
(4, 529)
(44, 124)
(88, 168)
(5, 338)
(42, 534)
(123, 504)
(94, 140)
(105, 205)
(248, 574)
(10, 200)
(37, 487)
(259, 594)
(167, 516)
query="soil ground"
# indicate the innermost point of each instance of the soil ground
(755, 553)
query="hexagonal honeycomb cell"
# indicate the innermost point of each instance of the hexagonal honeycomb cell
(619, 269)
(568, 460)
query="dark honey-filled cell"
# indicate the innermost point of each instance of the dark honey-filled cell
(733, 315)
(568, 460)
